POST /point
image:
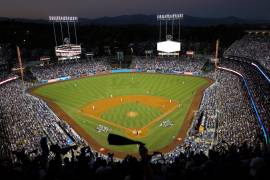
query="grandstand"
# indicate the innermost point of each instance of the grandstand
(254, 47)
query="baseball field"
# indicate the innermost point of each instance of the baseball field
(156, 109)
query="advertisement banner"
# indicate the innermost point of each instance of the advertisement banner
(64, 78)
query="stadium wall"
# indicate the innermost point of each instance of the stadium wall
(125, 70)
(114, 71)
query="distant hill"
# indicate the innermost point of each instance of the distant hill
(24, 20)
(187, 21)
(151, 20)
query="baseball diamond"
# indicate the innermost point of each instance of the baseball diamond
(129, 104)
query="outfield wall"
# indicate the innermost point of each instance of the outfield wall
(125, 70)
(56, 79)
(117, 71)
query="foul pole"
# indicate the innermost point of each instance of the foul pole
(216, 60)
(20, 68)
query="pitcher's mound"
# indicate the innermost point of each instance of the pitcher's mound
(132, 114)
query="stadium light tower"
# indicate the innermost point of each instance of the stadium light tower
(169, 47)
(166, 18)
(64, 19)
(66, 49)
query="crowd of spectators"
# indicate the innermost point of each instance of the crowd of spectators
(258, 84)
(237, 123)
(252, 46)
(25, 119)
(169, 65)
(73, 69)
(229, 162)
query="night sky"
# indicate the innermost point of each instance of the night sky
(36, 9)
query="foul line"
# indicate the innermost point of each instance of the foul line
(108, 122)
(160, 117)
(130, 129)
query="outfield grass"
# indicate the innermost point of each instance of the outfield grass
(73, 95)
